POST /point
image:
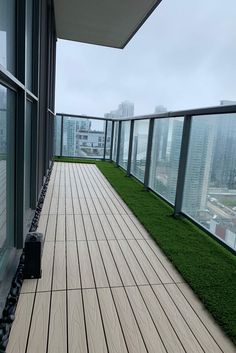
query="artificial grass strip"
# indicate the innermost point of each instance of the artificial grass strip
(205, 265)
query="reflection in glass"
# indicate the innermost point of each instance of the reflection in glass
(139, 149)
(28, 117)
(166, 145)
(83, 137)
(115, 141)
(124, 144)
(108, 141)
(7, 114)
(57, 135)
(7, 34)
(210, 183)
(29, 43)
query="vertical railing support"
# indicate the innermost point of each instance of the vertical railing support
(112, 139)
(62, 127)
(148, 155)
(118, 145)
(182, 165)
(131, 134)
(105, 142)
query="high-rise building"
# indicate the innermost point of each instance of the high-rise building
(125, 109)
(200, 156)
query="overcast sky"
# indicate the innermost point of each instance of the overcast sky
(184, 56)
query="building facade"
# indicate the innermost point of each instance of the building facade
(27, 86)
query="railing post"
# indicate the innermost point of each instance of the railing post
(182, 165)
(148, 155)
(62, 127)
(131, 134)
(112, 139)
(118, 145)
(105, 142)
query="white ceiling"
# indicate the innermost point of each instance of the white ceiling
(104, 22)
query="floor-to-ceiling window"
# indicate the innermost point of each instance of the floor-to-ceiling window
(7, 137)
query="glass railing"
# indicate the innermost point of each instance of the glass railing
(188, 158)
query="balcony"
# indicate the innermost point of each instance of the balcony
(106, 285)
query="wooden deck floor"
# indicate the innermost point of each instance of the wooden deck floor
(106, 286)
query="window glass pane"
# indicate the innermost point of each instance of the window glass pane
(57, 135)
(108, 142)
(7, 34)
(29, 43)
(210, 184)
(28, 154)
(139, 150)
(7, 120)
(115, 140)
(83, 137)
(124, 144)
(166, 145)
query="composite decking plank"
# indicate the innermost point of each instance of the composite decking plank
(165, 262)
(100, 235)
(73, 271)
(97, 264)
(106, 227)
(162, 323)
(57, 337)
(149, 271)
(183, 331)
(20, 327)
(70, 228)
(89, 230)
(123, 226)
(61, 228)
(122, 266)
(95, 333)
(51, 228)
(45, 282)
(157, 265)
(85, 266)
(59, 270)
(133, 264)
(114, 335)
(37, 342)
(131, 331)
(111, 270)
(76, 325)
(79, 227)
(147, 327)
(115, 227)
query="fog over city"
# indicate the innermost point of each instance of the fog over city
(182, 57)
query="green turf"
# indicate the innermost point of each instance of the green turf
(207, 266)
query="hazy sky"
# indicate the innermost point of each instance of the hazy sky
(184, 56)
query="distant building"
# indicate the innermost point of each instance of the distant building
(125, 109)
(79, 140)
(160, 109)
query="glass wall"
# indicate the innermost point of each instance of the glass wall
(210, 184)
(108, 141)
(83, 137)
(8, 34)
(124, 144)
(115, 141)
(28, 117)
(166, 146)
(57, 135)
(29, 43)
(139, 150)
(7, 157)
